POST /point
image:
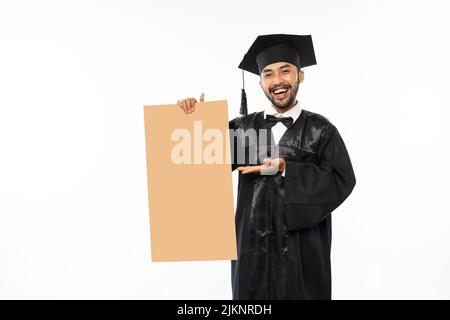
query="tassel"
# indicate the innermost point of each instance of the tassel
(243, 109)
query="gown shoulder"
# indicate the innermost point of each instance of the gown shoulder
(245, 122)
(317, 126)
(316, 119)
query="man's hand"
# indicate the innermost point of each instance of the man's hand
(269, 166)
(188, 104)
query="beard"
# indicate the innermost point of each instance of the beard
(287, 101)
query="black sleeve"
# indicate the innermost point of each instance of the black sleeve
(313, 191)
(234, 125)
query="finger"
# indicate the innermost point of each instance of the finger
(193, 101)
(255, 169)
(267, 161)
(185, 106)
(249, 169)
(188, 105)
(202, 97)
(243, 169)
(192, 104)
(180, 104)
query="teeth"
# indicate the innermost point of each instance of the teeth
(279, 91)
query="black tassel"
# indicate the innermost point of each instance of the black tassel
(243, 109)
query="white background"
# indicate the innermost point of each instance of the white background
(74, 76)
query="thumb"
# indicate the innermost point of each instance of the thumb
(202, 97)
(267, 161)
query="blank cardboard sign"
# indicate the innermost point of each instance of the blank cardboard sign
(190, 187)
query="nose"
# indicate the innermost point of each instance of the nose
(277, 80)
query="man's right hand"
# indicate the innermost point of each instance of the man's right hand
(188, 104)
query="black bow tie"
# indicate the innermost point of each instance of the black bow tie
(272, 120)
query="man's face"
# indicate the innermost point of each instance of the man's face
(280, 82)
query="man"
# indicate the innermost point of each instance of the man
(303, 172)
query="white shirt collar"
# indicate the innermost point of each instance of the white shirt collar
(294, 112)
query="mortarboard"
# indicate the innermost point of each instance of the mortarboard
(271, 48)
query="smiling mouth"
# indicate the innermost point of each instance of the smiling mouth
(280, 93)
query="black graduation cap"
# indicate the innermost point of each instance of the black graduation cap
(271, 48)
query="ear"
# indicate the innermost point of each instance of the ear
(301, 76)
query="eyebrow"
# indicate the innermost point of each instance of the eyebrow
(283, 66)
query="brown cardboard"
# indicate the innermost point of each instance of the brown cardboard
(191, 205)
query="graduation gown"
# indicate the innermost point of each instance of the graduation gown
(283, 224)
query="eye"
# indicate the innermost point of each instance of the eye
(285, 70)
